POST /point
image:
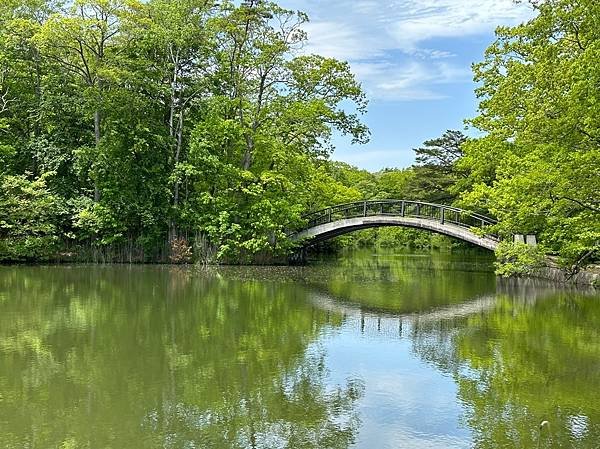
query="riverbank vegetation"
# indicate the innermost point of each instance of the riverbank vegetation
(187, 131)
(537, 168)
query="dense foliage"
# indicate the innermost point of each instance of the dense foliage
(129, 124)
(538, 167)
(182, 130)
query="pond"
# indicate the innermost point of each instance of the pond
(367, 350)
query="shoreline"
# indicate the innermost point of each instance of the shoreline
(552, 273)
(585, 277)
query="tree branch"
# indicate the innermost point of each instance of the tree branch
(580, 203)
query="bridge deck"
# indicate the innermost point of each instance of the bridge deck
(447, 220)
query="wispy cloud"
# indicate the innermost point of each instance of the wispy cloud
(410, 80)
(391, 44)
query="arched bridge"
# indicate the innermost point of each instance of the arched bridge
(454, 222)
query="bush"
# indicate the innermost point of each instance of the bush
(180, 251)
(518, 259)
(29, 214)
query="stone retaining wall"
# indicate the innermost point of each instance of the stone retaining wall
(589, 276)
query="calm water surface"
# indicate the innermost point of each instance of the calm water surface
(367, 351)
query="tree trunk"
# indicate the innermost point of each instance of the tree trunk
(97, 136)
(173, 102)
(38, 92)
(177, 156)
(247, 160)
(175, 133)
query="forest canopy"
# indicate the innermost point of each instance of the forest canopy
(136, 124)
(537, 168)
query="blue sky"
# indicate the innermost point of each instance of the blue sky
(413, 58)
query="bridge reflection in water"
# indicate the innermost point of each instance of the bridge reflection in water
(395, 325)
(451, 221)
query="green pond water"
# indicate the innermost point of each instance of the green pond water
(370, 350)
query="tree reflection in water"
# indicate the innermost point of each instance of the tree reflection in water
(151, 357)
(520, 352)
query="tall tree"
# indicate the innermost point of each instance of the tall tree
(435, 171)
(537, 168)
(84, 42)
(22, 68)
(265, 127)
(177, 52)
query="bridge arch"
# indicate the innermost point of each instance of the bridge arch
(447, 220)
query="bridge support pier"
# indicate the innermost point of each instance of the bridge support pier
(299, 257)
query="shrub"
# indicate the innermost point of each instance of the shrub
(518, 259)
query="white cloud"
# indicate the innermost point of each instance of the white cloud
(389, 42)
(408, 81)
(342, 41)
(421, 20)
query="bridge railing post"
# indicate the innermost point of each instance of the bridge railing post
(402, 209)
(365, 209)
(443, 215)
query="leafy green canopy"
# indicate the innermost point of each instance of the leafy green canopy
(162, 119)
(537, 169)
